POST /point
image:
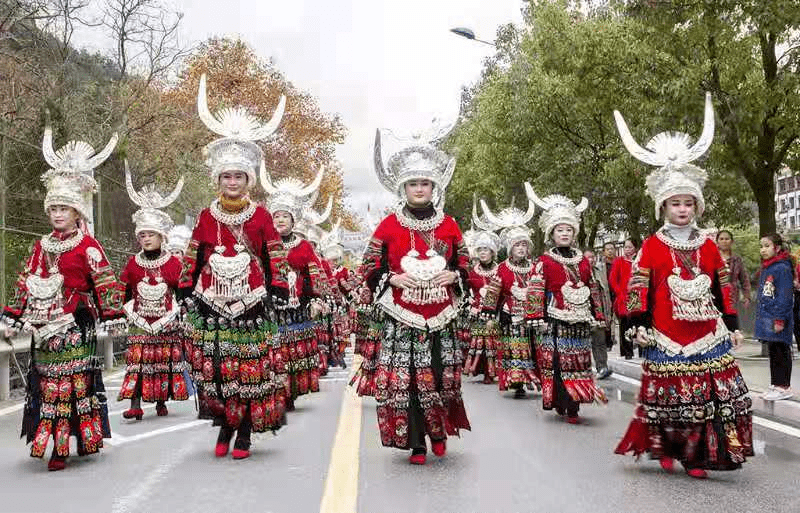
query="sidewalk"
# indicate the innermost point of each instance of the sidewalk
(755, 370)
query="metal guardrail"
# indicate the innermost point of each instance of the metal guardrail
(21, 344)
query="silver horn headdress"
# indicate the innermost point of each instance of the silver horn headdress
(292, 195)
(511, 221)
(557, 209)
(149, 217)
(237, 149)
(484, 236)
(418, 160)
(673, 154)
(330, 244)
(178, 238)
(69, 181)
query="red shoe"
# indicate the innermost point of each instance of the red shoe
(439, 447)
(57, 463)
(221, 449)
(667, 463)
(133, 413)
(573, 419)
(697, 473)
(417, 459)
(240, 454)
(161, 410)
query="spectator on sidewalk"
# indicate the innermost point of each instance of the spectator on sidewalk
(740, 281)
(774, 318)
(600, 334)
(607, 259)
(796, 309)
(618, 281)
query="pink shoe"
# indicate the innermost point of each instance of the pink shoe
(668, 464)
(697, 473)
(417, 459)
(439, 447)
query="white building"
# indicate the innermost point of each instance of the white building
(787, 201)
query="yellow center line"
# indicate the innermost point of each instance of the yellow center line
(341, 483)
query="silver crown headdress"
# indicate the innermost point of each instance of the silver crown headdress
(673, 153)
(557, 209)
(149, 217)
(331, 244)
(484, 236)
(511, 221)
(178, 238)
(418, 160)
(292, 195)
(69, 181)
(237, 149)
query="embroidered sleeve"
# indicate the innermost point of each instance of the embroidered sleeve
(725, 285)
(375, 265)
(494, 291)
(109, 292)
(459, 262)
(635, 299)
(317, 276)
(598, 305)
(192, 261)
(535, 302)
(276, 267)
(20, 299)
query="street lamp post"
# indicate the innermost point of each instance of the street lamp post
(469, 34)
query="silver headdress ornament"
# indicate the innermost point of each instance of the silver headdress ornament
(483, 239)
(331, 245)
(149, 217)
(237, 149)
(511, 221)
(484, 236)
(557, 209)
(418, 160)
(178, 238)
(673, 153)
(69, 181)
(292, 195)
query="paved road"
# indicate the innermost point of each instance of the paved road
(517, 458)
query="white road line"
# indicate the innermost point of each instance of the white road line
(12, 409)
(122, 440)
(761, 421)
(150, 479)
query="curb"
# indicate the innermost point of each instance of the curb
(787, 412)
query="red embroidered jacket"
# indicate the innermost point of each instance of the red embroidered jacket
(140, 309)
(389, 244)
(549, 284)
(478, 283)
(88, 280)
(310, 280)
(267, 259)
(506, 292)
(648, 291)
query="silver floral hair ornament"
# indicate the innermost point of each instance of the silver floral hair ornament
(331, 244)
(419, 160)
(557, 209)
(673, 154)
(512, 223)
(237, 149)
(69, 181)
(149, 217)
(178, 238)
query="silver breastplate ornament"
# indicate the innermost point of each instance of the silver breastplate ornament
(423, 270)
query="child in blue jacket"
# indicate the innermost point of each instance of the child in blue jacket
(774, 319)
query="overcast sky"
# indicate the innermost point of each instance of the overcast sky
(379, 63)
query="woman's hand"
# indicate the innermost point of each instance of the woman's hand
(403, 281)
(444, 278)
(737, 338)
(777, 326)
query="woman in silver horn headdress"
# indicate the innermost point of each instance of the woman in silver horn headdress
(694, 405)
(288, 202)
(505, 296)
(156, 337)
(565, 304)
(341, 284)
(234, 260)
(66, 286)
(416, 266)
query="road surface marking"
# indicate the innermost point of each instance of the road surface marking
(761, 421)
(341, 483)
(149, 480)
(122, 440)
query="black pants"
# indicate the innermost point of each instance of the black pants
(625, 346)
(562, 401)
(416, 415)
(780, 364)
(797, 319)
